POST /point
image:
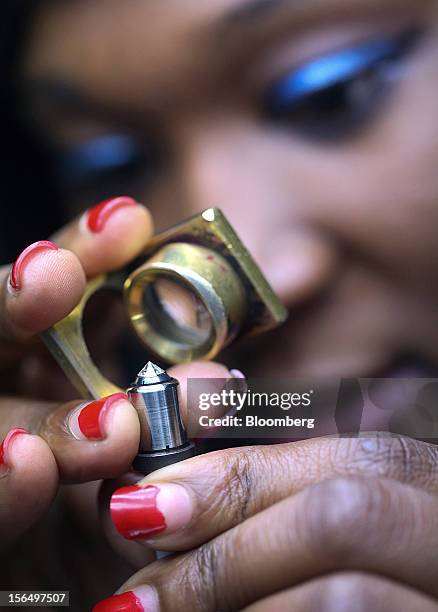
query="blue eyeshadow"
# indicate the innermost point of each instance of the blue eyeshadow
(102, 153)
(328, 71)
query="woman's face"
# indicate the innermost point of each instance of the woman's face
(312, 125)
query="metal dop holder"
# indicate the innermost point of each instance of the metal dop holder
(163, 439)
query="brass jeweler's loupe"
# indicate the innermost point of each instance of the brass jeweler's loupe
(198, 290)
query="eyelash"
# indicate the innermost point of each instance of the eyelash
(333, 96)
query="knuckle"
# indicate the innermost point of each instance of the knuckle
(203, 574)
(239, 470)
(392, 456)
(341, 514)
(346, 592)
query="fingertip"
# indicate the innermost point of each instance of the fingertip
(141, 599)
(112, 417)
(115, 214)
(30, 458)
(120, 444)
(124, 235)
(29, 483)
(122, 424)
(200, 369)
(91, 420)
(146, 511)
(51, 284)
(197, 370)
(93, 440)
(111, 234)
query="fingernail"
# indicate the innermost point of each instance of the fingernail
(97, 216)
(237, 373)
(144, 512)
(87, 421)
(141, 599)
(5, 445)
(15, 276)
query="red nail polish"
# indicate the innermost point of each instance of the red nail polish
(124, 602)
(4, 445)
(98, 216)
(17, 268)
(91, 416)
(135, 514)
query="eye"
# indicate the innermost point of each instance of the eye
(106, 163)
(332, 96)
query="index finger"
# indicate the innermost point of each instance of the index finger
(202, 497)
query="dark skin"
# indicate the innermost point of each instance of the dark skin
(344, 230)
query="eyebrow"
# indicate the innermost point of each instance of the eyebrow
(253, 10)
(254, 24)
(250, 25)
(248, 15)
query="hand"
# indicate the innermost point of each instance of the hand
(43, 286)
(324, 524)
(74, 442)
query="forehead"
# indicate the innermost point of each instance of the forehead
(130, 50)
(108, 47)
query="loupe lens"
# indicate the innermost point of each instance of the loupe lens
(186, 302)
(177, 312)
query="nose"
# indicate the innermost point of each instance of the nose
(229, 165)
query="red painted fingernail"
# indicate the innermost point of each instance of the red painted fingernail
(17, 268)
(142, 598)
(124, 602)
(90, 418)
(99, 215)
(6, 442)
(135, 514)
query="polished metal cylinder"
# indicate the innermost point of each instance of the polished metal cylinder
(155, 397)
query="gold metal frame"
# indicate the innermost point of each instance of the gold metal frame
(204, 254)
